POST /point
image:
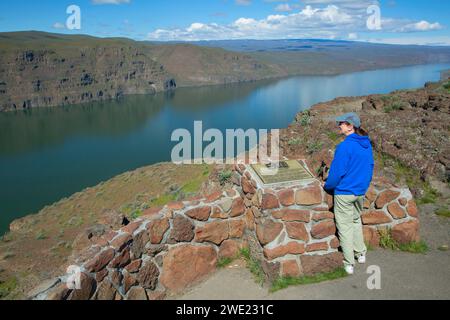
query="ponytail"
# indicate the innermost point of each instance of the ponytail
(361, 132)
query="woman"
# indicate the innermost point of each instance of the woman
(349, 179)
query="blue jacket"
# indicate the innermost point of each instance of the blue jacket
(352, 168)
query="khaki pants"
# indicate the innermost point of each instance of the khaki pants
(347, 211)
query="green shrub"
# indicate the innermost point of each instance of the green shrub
(284, 282)
(414, 247)
(6, 287)
(224, 177)
(443, 212)
(253, 265)
(314, 147)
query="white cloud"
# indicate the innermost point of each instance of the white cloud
(110, 1)
(326, 20)
(284, 7)
(243, 2)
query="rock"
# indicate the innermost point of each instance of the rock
(297, 231)
(237, 208)
(137, 294)
(153, 250)
(213, 197)
(323, 229)
(44, 286)
(287, 197)
(371, 194)
(157, 229)
(403, 201)
(406, 232)
(247, 186)
(215, 232)
(148, 275)
(186, 264)
(226, 204)
(292, 215)
(156, 295)
(385, 197)
(139, 242)
(121, 241)
(371, 236)
(269, 201)
(217, 213)
(99, 276)
(121, 260)
(321, 264)
(309, 196)
(290, 268)
(375, 217)
(87, 288)
(268, 230)
(129, 281)
(282, 250)
(334, 243)
(134, 266)
(100, 261)
(200, 213)
(176, 206)
(320, 246)
(237, 228)
(412, 209)
(105, 291)
(323, 216)
(116, 277)
(131, 227)
(396, 211)
(182, 230)
(230, 249)
(58, 293)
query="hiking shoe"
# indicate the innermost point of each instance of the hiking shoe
(362, 259)
(349, 269)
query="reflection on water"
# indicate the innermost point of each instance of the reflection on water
(49, 153)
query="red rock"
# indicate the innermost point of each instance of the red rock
(268, 230)
(237, 208)
(292, 215)
(156, 295)
(100, 261)
(148, 275)
(269, 201)
(412, 209)
(182, 230)
(231, 193)
(215, 232)
(321, 264)
(371, 236)
(176, 205)
(131, 227)
(237, 228)
(321, 246)
(87, 289)
(323, 229)
(385, 197)
(286, 197)
(110, 235)
(375, 217)
(121, 241)
(290, 268)
(366, 204)
(60, 292)
(185, 265)
(371, 194)
(200, 213)
(155, 249)
(230, 249)
(330, 201)
(247, 186)
(323, 216)
(139, 242)
(213, 197)
(334, 243)
(250, 220)
(403, 201)
(297, 231)
(134, 266)
(151, 212)
(128, 282)
(121, 260)
(396, 211)
(116, 277)
(157, 229)
(99, 276)
(406, 232)
(282, 250)
(217, 213)
(137, 294)
(309, 196)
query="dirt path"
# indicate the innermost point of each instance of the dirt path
(403, 275)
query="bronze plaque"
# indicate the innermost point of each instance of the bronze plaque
(290, 170)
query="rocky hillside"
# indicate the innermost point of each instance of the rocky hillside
(40, 69)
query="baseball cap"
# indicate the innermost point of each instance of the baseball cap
(351, 118)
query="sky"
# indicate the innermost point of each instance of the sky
(384, 21)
